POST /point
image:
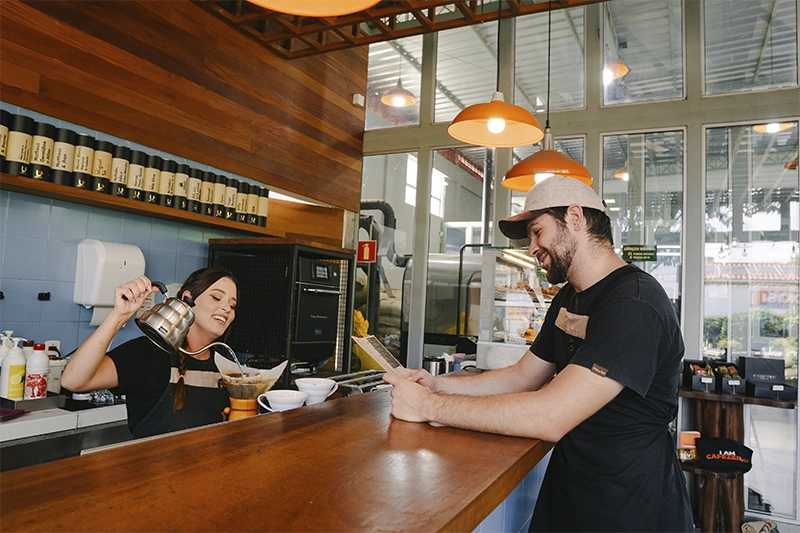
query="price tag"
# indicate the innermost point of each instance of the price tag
(706, 380)
(777, 388)
(733, 382)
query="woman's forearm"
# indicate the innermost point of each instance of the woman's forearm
(83, 372)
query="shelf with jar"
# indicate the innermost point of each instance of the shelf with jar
(39, 159)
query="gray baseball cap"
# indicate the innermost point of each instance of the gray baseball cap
(556, 191)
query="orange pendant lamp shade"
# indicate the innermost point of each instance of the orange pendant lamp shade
(496, 125)
(399, 97)
(773, 127)
(316, 8)
(614, 70)
(542, 165)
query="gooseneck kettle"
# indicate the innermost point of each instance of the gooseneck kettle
(168, 323)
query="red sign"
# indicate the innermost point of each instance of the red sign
(367, 251)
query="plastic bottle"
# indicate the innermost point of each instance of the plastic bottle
(12, 384)
(27, 348)
(36, 372)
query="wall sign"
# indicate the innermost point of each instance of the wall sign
(638, 252)
(367, 251)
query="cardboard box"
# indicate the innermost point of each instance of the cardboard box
(728, 384)
(763, 370)
(773, 392)
(694, 382)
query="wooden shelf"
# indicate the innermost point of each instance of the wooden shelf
(54, 191)
(736, 398)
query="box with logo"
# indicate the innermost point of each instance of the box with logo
(697, 375)
(763, 370)
(776, 391)
(729, 379)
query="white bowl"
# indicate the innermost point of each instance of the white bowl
(318, 389)
(282, 400)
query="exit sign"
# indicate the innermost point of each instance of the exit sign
(367, 251)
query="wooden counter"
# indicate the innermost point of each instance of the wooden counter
(343, 465)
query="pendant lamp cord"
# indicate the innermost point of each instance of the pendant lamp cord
(499, 7)
(549, 24)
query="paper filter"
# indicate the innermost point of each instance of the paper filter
(255, 381)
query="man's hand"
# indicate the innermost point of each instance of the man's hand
(409, 397)
(424, 378)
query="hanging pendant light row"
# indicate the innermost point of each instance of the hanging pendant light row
(547, 162)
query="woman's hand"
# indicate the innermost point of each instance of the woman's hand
(129, 297)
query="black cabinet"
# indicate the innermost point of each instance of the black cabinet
(295, 304)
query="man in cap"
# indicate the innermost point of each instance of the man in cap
(601, 378)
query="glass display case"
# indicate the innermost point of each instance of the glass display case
(513, 316)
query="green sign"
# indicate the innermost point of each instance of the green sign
(638, 252)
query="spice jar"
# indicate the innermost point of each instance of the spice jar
(207, 193)
(241, 202)
(42, 150)
(63, 157)
(220, 184)
(231, 188)
(166, 184)
(5, 122)
(119, 170)
(252, 204)
(263, 204)
(101, 168)
(180, 200)
(194, 191)
(18, 149)
(136, 175)
(152, 177)
(84, 157)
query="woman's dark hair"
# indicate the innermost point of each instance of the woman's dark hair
(197, 283)
(598, 225)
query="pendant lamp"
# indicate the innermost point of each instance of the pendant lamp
(622, 174)
(399, 96)
(773, 127)
(614, 70)
(547, 162)
(316, 8)
(791, 165)
(496, 124)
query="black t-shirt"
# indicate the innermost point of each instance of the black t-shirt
(143, 371)
(632, 335)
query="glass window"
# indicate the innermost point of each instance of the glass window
(566, 61)
(643, 189)
(386, 218)
(749, 45)
(571, 146)
(752, 282)
(466, 69)
(392, 64)
(642, 60)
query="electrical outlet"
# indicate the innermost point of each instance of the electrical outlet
(358, 100)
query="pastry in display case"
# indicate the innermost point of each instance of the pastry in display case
(515, 313)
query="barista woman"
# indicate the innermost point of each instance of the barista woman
(163, 393)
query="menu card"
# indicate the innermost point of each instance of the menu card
(381, 355)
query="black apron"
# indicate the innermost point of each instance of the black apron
(204, 401)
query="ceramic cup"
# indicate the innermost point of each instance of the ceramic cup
(318, 389)
(282, 400)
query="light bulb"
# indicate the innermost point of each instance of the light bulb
(773, 127)
(608, 76)
(496, 125)
(793, 255)
(398, 101)
(734, 242)
(625, 176)
(541, 176)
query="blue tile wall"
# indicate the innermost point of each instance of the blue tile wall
(38, 253)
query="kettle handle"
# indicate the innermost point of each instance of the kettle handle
(161, 287)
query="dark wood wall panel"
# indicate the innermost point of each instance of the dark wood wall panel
(167, 74)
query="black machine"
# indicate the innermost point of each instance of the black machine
(295, 304)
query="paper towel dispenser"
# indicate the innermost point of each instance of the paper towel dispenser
(102, 267)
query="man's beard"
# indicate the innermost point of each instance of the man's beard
(561, 255)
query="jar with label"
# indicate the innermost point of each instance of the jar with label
(152, 178)
(84, 157)
(63, 156)
(119, 171)
(241, 202)
(180, 200)
(207, 193)
(231, 188)
(263, 205)
(194, 191)
(252, 205)
(136, 175)
(5, 122)
(166, 184)
(18, 149)
(220, 185)
(101, 168)
(42, 151)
